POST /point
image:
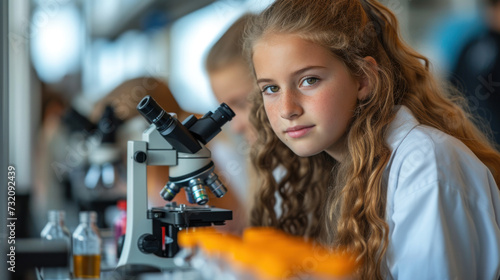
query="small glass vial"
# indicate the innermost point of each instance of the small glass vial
(87, 247)
(56, 230)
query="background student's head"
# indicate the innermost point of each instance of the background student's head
(230, 76)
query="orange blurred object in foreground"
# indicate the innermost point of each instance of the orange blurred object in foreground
(268, 253)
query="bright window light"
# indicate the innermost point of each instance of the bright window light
(56, 41)
(191, 37)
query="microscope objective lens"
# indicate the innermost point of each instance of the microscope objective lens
(215, 185)
(169, 191)
(198, 190)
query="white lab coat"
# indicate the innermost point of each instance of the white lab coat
(443, 206)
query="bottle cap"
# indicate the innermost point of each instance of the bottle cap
(56, 215)
(122, 204)
(88, 217)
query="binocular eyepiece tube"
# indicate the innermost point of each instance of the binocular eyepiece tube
(184, 137)
(169, 127)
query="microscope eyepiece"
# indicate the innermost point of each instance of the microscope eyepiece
(169, 127)
(223, 114)
(153, 113)
(210, 124)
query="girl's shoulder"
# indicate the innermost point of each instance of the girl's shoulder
(413, 142)
(422, 154)
(429, 140)
(429, 157)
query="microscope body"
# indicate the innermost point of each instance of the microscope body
(151, 234)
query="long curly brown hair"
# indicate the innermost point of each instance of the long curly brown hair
(344, 203)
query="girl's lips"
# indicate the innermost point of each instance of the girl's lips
(298, 131)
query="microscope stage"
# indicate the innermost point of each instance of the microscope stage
(190, 216)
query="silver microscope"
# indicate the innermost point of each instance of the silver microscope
(151, 234)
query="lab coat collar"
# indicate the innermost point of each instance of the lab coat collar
(399, 128)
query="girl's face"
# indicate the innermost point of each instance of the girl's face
(309, 94)
(232, 84)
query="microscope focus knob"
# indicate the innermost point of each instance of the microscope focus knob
(148, 243)
(140, 156)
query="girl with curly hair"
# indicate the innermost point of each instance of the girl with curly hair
(379, 157)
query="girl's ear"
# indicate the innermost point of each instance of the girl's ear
(365, 84)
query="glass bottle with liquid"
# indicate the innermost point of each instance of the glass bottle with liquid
(87, 247)
(56, 230)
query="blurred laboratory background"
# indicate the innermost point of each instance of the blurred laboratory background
(63, 124)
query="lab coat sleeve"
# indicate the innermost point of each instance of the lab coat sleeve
(429, 229)
(441, 227)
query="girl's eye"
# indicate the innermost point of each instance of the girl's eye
(309, 81)
(270, 89)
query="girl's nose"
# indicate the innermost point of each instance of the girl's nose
(290, 105)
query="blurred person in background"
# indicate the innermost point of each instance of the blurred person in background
(477, 71)
(50, 191)
(231, 78)
(232, 82)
